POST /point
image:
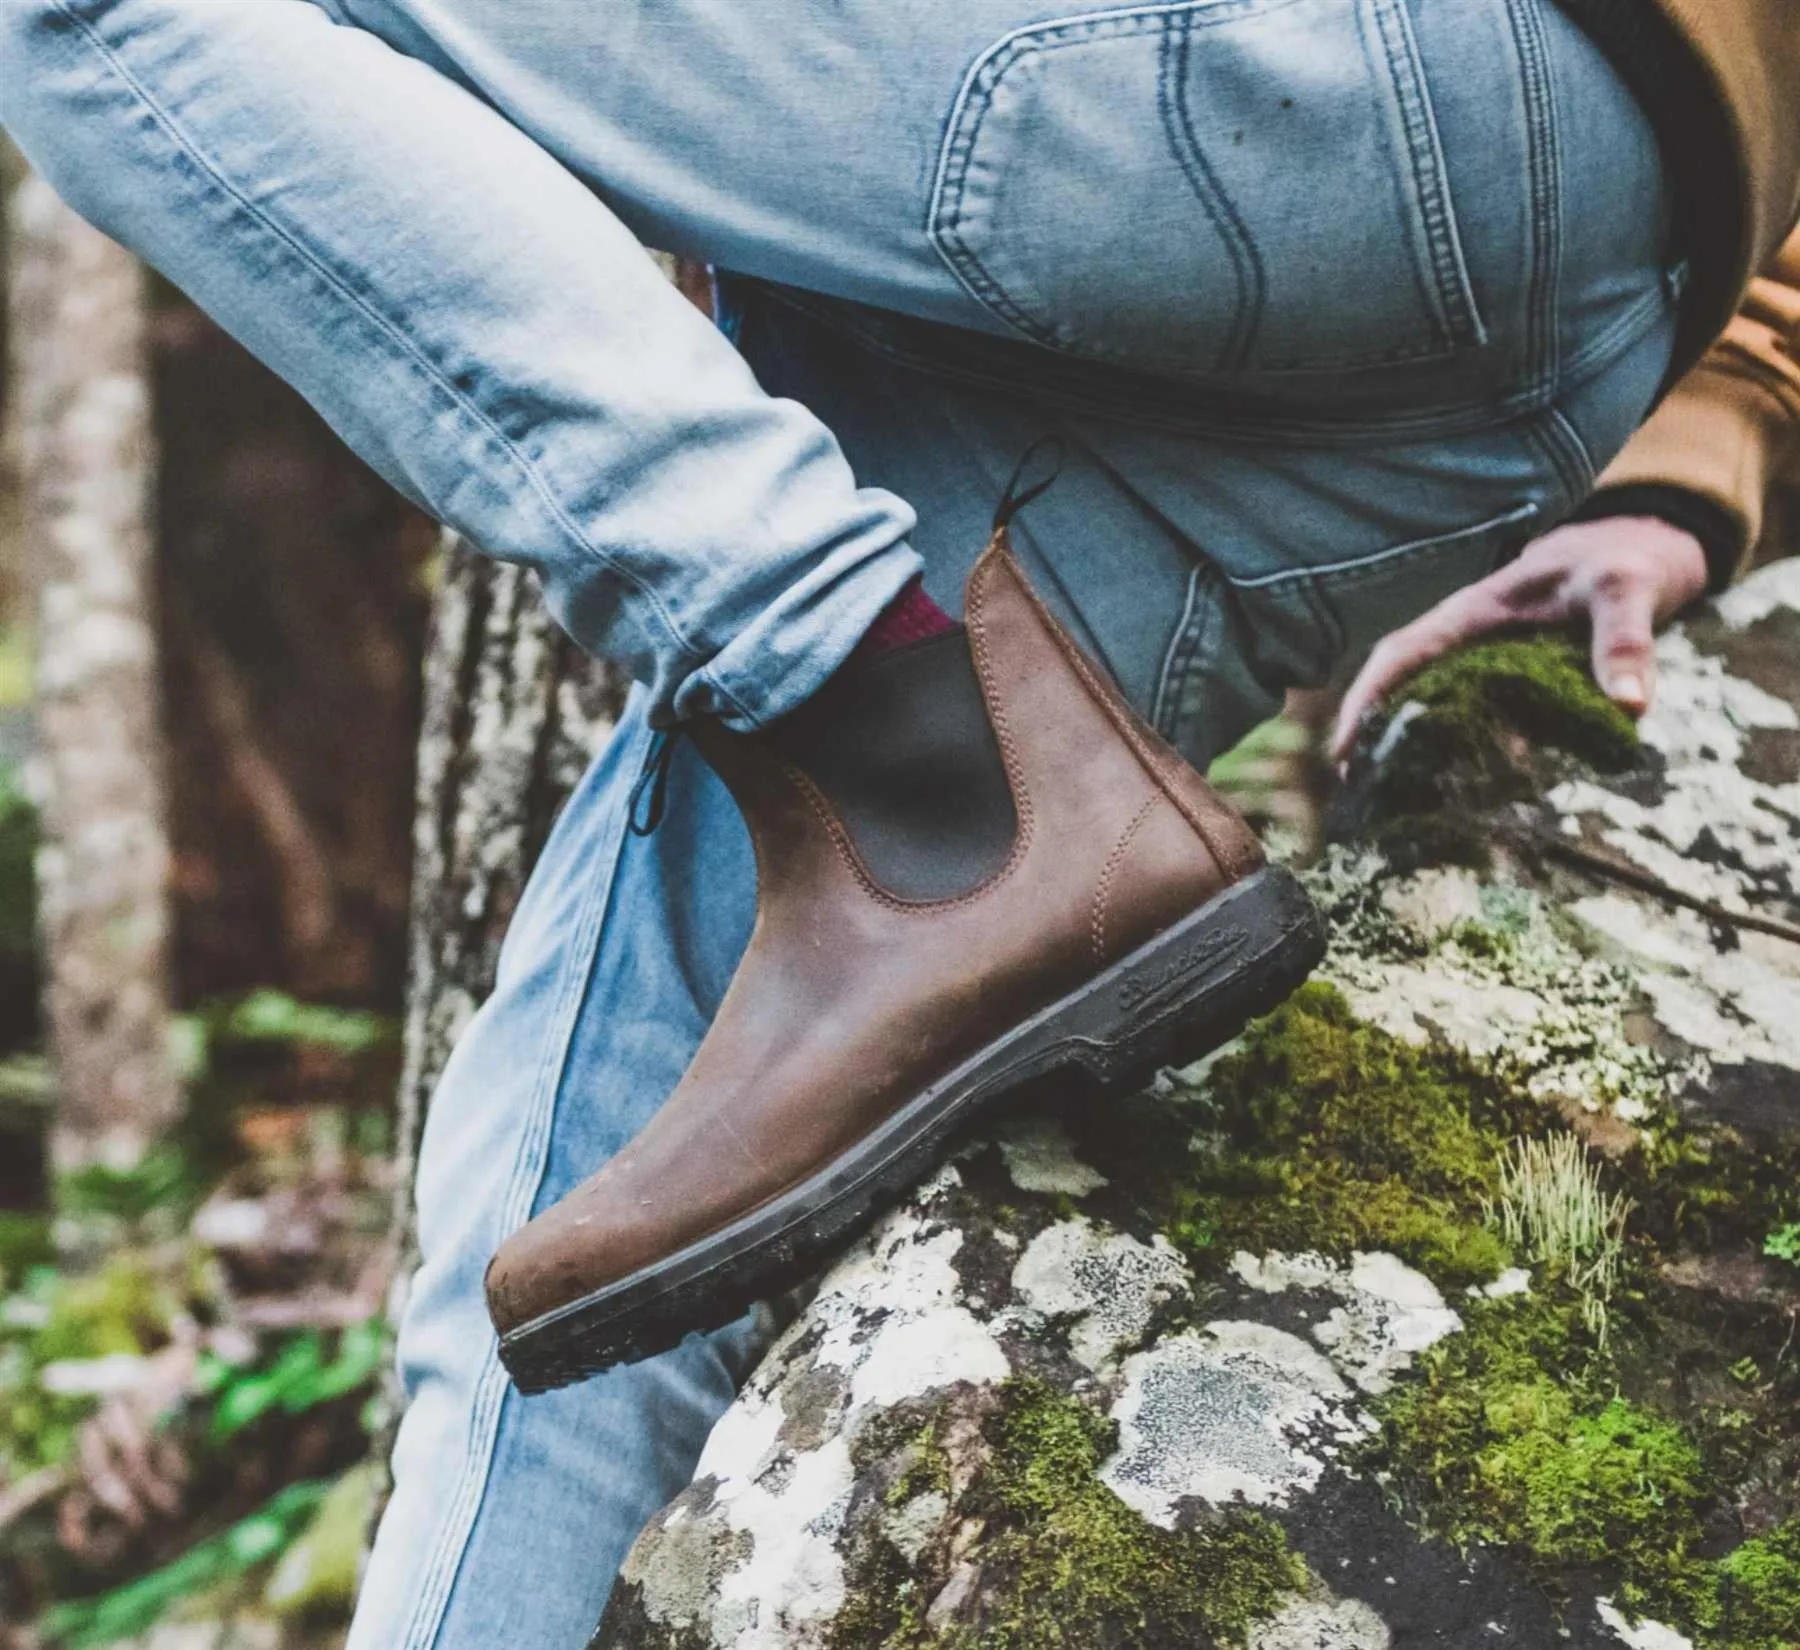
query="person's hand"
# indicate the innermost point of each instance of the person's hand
(1625, 575)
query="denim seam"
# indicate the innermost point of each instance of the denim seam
(1127, 406)
(974, 102)
(406, 349)
(947, 207)
(1347, 571)
(530, 1163)
(1174, 665)
(1569, 452)
(1552, 453)
(1599, 352)
(1178, 125)
(724, 691)
(1542, 341)
(1189, 653)
(1458, 320)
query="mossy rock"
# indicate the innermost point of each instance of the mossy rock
(1497, 723)
(1303, 1350)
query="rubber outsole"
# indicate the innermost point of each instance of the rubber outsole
(1182, 995)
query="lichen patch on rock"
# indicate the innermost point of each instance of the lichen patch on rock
(1039, 1158)
(1323, 1624)
(1387, 1311)
(1235, 1412)
(1109, 1283)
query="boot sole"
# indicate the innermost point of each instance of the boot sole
(1175, 999)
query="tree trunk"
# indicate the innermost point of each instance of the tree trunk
(293, 613)
(86, 460)
(1305, 1350)
(514, 712)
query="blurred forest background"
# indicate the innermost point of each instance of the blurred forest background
(212, 621)
(274, 761)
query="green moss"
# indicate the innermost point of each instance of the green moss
(1334, 1136)
(1748, 1600)
(1705, 1188)
(1540, 686)
(1589, 1464)
(1755, 1593)
(1062, 1560)
(924, 1466)
(1512, 1437)
(1585, 1488)
(1477, 723)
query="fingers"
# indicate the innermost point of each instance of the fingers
(1514, 595)
(1624, 615)
(1623, 573)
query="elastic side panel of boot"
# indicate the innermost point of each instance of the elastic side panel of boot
(902, 748)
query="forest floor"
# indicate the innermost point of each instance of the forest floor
(191, 1353)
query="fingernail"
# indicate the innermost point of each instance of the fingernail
(1628, 689)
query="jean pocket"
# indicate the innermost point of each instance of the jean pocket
(1220, 187)
(1309, 620)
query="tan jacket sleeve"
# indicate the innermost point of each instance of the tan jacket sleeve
(1730, 430)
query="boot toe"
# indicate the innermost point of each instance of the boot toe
(546, 1264)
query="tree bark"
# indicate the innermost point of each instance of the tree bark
(86, 453)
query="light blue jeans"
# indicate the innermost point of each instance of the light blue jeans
(1334, 303)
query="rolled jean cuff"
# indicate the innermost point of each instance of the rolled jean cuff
(793, 647)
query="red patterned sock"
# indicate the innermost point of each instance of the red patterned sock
(912, 616)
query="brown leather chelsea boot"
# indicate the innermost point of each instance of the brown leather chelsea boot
(976, 867)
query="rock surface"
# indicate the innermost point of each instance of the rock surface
(1301, 1351)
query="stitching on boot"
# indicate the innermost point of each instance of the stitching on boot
(1230, 861)
(1103, 894)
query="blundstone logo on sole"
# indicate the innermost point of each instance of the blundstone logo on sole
(1205, 952)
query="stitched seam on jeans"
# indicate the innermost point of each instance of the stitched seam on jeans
(1549, 444)
(1178, 126)
(1543, 293)
(1130, 405)
(1102, 894)
(974, 102)
(1458, 322)
(405, 348)
(1174, 660)
(530, 1162)
(1570, 443)
(1197, 666)
(1516, 517)
(1598, 353)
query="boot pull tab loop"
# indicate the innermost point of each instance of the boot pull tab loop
(652, 785)
(1017, 495)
